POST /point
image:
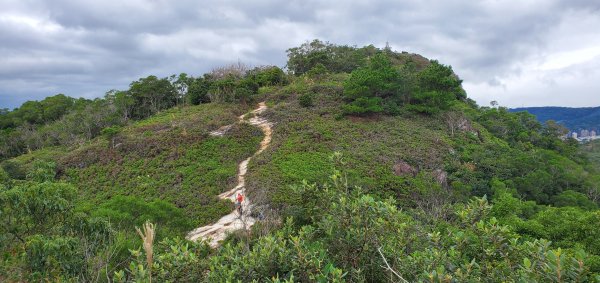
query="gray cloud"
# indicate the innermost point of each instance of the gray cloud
(510, 52)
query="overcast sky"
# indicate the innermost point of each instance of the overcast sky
(519, 53)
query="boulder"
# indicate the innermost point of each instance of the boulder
(404, 169)
(441, 177)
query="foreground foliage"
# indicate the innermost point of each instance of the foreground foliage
(355, 237)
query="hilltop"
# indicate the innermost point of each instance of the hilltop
(378, 168)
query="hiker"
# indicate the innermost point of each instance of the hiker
(238, 202)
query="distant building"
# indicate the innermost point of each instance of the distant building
(585, 133)
(593, 134)
(574, 135)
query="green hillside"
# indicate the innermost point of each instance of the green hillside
(379, 169)
(169, 156)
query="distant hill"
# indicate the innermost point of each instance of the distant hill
(572, 118)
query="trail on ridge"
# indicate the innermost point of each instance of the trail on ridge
(216, 232)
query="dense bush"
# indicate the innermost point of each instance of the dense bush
(129, 211)
(382, 86)
(306, 99)
(334, 58)
(348, 235)
(40, 112)
(42, 238)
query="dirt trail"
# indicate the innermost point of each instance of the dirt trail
(234, 221)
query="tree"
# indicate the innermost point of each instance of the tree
(123, 102)
(182, 84)
(437, 88)
(35, 208)
(198, 90)
(302, 59)
(54, 256)
(152, 95)
(222, 90)
(335, 58)
(29, 112)
(317, 72)
(456, 121)
(368, 86)
(110, 133)
(575, 199)
(54, 107)
(266, 76)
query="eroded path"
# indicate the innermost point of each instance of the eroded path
(216, 232)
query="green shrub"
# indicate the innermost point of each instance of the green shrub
(380, 79)
(110, 133)
(28, 208)
(53, 257)
(14, 170)
(4, 178)
(42, 171)
(175, 260)
(364, 106)
(572, 198)
(267, 76)
(306, 99)
(129, 211)
(317, 72)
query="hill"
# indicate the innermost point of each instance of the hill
(572, 118)
(378, 168)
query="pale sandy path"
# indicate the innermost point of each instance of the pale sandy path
(216, 232)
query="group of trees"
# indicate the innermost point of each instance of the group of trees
(532, 158)
(382, 87)
(380, 80)
(62, 120)
(518, 128)
(79, 120)
(333, 58)
(39, 112)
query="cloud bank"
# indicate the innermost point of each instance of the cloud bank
(519, 53)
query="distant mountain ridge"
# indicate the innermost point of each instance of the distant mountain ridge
(572, 118)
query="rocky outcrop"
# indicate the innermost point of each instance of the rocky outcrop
(401, 168)
(441, 177)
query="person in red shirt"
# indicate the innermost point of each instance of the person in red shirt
(239, 199)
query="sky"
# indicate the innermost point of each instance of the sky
(518, 53)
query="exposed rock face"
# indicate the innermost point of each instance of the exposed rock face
(441, 177)
(401, 168)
